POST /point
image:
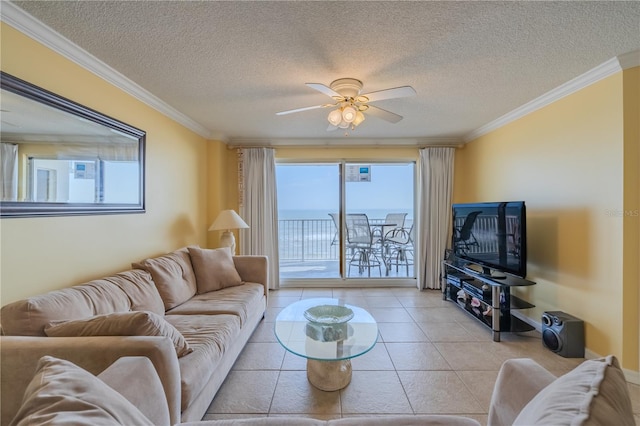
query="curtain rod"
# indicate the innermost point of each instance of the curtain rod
(460, 145)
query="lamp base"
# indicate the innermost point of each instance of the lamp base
(227, 239)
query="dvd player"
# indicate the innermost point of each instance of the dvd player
(477, 289)
(458, 278)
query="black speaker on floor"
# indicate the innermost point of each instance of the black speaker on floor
(563, 334)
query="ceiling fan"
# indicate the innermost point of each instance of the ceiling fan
(350, 105)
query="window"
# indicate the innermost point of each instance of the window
(315, 199)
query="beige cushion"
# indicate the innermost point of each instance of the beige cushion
(214, 269)
(594, 393)
(136, 323)
(140, 289)
(28, 317)
(63, 393)
(145, 392)
(211, 337)
(173, 275)
(243, 301)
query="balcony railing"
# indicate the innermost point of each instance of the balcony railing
(307, 239)
(310, 248)
(311, 239)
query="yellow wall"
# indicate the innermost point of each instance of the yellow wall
(631, 221)
(41, 254)
(565, 161)
(223, 194)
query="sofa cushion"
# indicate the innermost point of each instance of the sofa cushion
(140, 289)
(594, 393)
(173, 275)
(135, 323)
(241, 301)
(28, 317)
(209, 336)
(214, 269)
(63, 393)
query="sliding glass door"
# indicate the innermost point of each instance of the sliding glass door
(309, 242)
(346, 222)
(379, 205)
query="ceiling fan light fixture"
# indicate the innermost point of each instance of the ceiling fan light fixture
(335, 117)
(349, 105)
(349, 114)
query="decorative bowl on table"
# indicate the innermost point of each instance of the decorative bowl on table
(328, 332)
(328, 314)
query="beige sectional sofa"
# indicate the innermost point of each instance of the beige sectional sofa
(129, 392)
(190, 312)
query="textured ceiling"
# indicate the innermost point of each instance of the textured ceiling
(230, 66)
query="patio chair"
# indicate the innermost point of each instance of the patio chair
(463, 238)
(381, 232)
(360, 243)
(336, 222)
(399, 249)
(397, 219)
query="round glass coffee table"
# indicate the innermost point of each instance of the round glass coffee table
(327, 336)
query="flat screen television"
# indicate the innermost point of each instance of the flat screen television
(492, 235)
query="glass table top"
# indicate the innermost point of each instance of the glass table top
(325, 342)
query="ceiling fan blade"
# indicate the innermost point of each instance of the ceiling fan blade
(383, 114)
(324, 89)
(291, 111)
(396, 92)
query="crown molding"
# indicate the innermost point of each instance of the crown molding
(348, 142)
(28, 25)
(629, 59)
(610, 67)
(22, 21)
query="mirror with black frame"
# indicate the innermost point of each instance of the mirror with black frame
(60, 158)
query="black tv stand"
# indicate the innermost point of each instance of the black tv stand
(485, 296)
(495, 277)
(486, 272)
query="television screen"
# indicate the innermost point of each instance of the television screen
(492, 235)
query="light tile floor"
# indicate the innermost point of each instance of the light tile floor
(431, 357)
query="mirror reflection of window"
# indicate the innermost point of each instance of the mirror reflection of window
(53, 151)
(46, 185)
(116, 178)
(82, 181)
(8, 172)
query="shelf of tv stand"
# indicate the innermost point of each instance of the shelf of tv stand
(516, 302)
(506, 322)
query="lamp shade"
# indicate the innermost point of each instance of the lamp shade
(228, 219)
(349, 114)
(335, 117)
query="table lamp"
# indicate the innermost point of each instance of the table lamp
(228, 220)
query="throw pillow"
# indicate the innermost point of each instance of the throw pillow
(173, 275)
(214, 269)
(136, 323)
(63, 393)
(594, 393)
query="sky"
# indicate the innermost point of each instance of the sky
(316, 187)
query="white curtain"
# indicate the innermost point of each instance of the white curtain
(260, 208)
(9, 172)
(434, 201)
